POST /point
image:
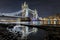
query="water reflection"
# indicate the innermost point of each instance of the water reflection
(22, 30)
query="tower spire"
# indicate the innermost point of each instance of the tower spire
(25, 4)
(35, 13)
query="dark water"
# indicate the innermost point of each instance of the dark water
(39, 35)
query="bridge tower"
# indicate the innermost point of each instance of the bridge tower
(25, 10)
(35, 15)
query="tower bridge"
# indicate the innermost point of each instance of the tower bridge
(24, 12)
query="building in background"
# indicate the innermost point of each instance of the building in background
(55, 19)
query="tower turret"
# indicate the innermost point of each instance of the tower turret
(24, 6)
(35, 14)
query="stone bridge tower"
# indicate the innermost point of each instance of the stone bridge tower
(25, 10)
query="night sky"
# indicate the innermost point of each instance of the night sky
(44, 7)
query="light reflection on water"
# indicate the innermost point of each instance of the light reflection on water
(19, 29)
(37, 35)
